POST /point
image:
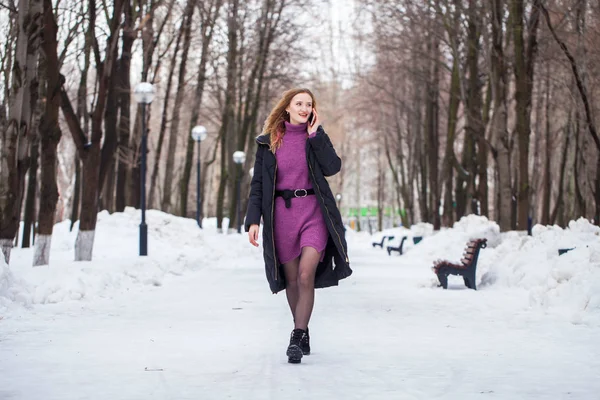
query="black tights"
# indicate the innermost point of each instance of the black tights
(300, 285)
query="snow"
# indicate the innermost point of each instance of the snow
(195, 318)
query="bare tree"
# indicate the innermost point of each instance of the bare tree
(90, 152)
(525, 51)
(186, 28)
(502, 144)
(226, 133)
(50, 134)
(583, 92)
(14, 140)
(209, 12)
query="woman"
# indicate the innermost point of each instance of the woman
(303, 234)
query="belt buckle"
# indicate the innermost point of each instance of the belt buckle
(303, 190)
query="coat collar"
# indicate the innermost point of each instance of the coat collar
(263, 139)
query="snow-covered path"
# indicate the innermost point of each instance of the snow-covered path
(218, 333)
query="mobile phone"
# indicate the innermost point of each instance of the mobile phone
(311, 119)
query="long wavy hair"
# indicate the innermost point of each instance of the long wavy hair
(275, 123)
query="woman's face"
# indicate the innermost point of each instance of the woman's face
(300, 108)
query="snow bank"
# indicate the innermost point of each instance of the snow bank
(568, 284)
(12, 290)
(175, 245)
(449, 243)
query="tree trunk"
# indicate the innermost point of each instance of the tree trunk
(380, 194)
(433, 140)
(547, 181)
(524, 55)
(14, 141)
(186, 27)
(110, 143)
(207, 32)
(76, 194)
(31, 196)
(90, 153)
(448, 172)
(83, 119)
(558, 206)
(149, 44)
(29, 215)
(499, 119)
(163, 124)
(124, 84)
(583, 92)
(474, 128)
(227, 130)
(50, 136)
(482, 156)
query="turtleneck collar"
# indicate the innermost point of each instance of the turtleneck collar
(294, 129)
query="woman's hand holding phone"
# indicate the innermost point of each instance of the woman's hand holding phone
(313, 123)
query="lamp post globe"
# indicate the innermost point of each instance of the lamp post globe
(199, 133)
(239, 157)
(143, 94)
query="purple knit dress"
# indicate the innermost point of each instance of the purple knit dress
(302, 224)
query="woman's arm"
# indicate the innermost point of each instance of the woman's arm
(327, 158)
(254, 212)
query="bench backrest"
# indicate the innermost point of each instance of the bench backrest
(472, 251)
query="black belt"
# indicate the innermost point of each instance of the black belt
(288, 195)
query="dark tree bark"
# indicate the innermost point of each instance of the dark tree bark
(559, 205)
(50, 134)
(186, 27)
(150, 41)
(32, 191)
(546, 180)
(14, 140)
(583, 92)
(163, 124)
(433, 139)
(227, 130)
(76, 194)
(29, 214)
(524, 62)
(502, 145)
(89, 153)
(209, 18)
(448, 172)
(124, 85)
(474, 128)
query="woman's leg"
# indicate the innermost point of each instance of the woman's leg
(290, 269)
(309, 259)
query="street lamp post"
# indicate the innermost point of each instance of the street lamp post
(238, 157)
(198, 134)
(144, 94)
(338, 197)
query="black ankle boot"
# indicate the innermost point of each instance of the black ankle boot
(305, 343)
(294, 352)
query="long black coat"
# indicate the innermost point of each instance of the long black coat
(322, 161)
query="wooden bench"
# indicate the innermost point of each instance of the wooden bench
(466, 268)
(380, 244)
(396, 248)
